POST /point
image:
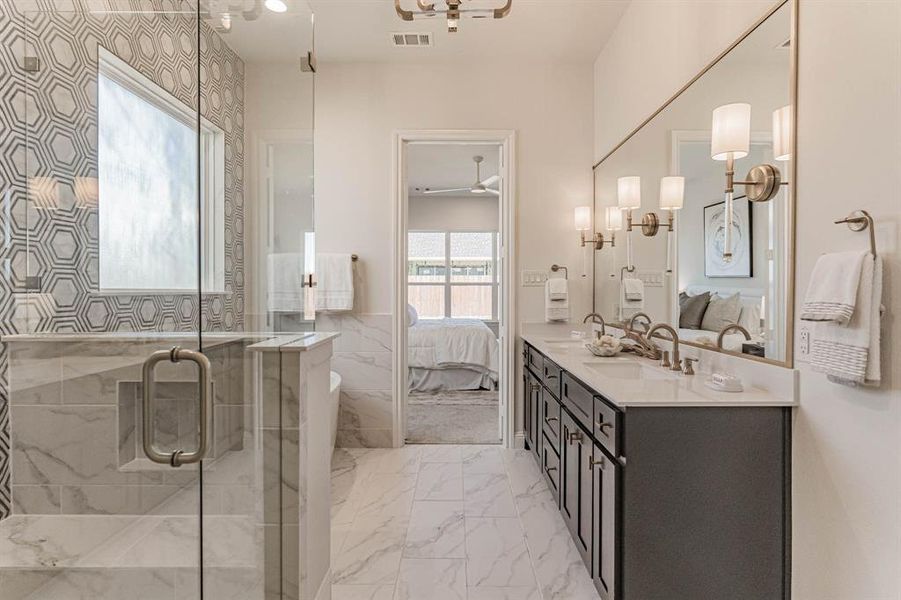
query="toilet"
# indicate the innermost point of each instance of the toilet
(334, 398)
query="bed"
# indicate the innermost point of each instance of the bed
(451, 354)
(750, 317)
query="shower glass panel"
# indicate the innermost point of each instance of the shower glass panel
(122, 225)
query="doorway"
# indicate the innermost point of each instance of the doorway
(454, 302)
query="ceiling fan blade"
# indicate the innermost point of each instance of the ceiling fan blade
(490, 180)
(466, 189)
(491, 191)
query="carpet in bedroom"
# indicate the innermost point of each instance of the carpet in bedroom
(466, 417)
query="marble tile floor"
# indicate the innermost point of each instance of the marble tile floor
(436, 522)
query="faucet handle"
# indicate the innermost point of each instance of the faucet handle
(689, 370)
(664, 361)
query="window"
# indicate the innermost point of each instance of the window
(148, 187)
(453, 274)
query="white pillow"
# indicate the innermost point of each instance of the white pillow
(750, 318)
(412, 316)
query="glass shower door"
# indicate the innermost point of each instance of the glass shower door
(115, 226)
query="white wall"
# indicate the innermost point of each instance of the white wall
(459, 213)
(359, 106)
(847, 442)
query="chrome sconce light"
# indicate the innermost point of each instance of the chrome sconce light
(731, 140)
(583, 223)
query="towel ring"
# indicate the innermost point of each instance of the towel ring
(860, 220)
(556, 268)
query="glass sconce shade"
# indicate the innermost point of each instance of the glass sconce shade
(672, 192)
(614, 218)
(628, 192)
(731, 131)
(583, 218)
(782, 133)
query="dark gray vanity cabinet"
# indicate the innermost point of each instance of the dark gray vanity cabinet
(531, 419)
(681, 503)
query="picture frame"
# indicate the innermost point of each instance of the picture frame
(742, 264)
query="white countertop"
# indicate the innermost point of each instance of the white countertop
(636, 381)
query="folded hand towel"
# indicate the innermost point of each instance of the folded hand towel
(850, 354)
(555, 310)
(833, 288)
(285, 278)
(633, 289)
(334, 282)
(558, 288)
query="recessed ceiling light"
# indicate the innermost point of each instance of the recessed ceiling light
(277, 6)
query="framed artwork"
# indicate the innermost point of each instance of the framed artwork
(742, 264)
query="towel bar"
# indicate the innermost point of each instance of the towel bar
(858, 221)
(354, 257)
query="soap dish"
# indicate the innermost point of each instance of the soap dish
(724, 383)
(603, 351)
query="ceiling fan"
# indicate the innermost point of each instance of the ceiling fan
(479, 187)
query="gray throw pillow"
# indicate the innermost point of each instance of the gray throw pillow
(692, 309)
(721, 312)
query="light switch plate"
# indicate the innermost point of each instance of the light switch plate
(532, 278)
(804, 342)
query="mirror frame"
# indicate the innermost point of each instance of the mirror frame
(791, 197)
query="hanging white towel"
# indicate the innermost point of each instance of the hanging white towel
(555, 310)
(628, 307)
(633, 289)
(558, 288)
(285, 278)
(832, 291)
(334, 282)
(850, 353)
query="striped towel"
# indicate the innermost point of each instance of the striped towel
(832, 292)
(849, 353)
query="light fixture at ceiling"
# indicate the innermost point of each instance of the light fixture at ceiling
(277, 6)
(479, 187)
(453, 12)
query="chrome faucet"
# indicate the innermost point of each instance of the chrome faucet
(630, 324)
(677, 362)
(596, 319)
(727, 329)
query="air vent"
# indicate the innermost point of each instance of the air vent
(410, 40)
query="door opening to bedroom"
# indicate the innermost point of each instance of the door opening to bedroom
(453, 284)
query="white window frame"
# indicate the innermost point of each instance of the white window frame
(448, 284)
(212, 173)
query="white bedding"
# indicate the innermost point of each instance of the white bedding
(731, 341)
(453, 344)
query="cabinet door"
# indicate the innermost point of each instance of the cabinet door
(531, 401)
(576, 484)
(605, 534)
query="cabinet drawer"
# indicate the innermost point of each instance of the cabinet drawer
(607, 426)
(534, 361)
(550, 419)
(551, 376)
(578, 399)
(550, 466)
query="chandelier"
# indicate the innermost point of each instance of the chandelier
(454, 12)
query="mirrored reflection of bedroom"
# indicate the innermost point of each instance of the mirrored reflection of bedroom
(453, 287)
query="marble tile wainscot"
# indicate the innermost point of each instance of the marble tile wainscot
(668, 488)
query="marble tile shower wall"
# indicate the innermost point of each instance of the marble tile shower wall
(49, 135)
(76, 440)
(363, 357)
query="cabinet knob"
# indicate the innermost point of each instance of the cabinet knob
(549, 419)
(535, 387)
(592, 463)
(603, 426)
(575, 436)
(548, 470)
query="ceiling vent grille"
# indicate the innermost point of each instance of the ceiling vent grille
(410, 40)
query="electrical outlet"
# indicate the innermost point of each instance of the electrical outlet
(804, 341)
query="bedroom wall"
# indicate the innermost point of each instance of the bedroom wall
(453, 212)
(358, 107)
(847, 442)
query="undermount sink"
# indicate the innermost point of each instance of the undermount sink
(628, 370)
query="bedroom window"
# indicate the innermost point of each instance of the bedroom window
(148, 187)
(453, 274)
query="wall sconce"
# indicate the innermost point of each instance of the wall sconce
(731, 140)
(672, 197)
(782, 133)
(583, 223)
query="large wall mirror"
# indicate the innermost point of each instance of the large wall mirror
(670, 179)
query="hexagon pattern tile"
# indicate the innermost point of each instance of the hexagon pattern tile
(48, 159)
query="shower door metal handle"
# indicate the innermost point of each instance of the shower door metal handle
(205, 397)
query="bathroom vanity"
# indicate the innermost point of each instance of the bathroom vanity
(669, 489)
